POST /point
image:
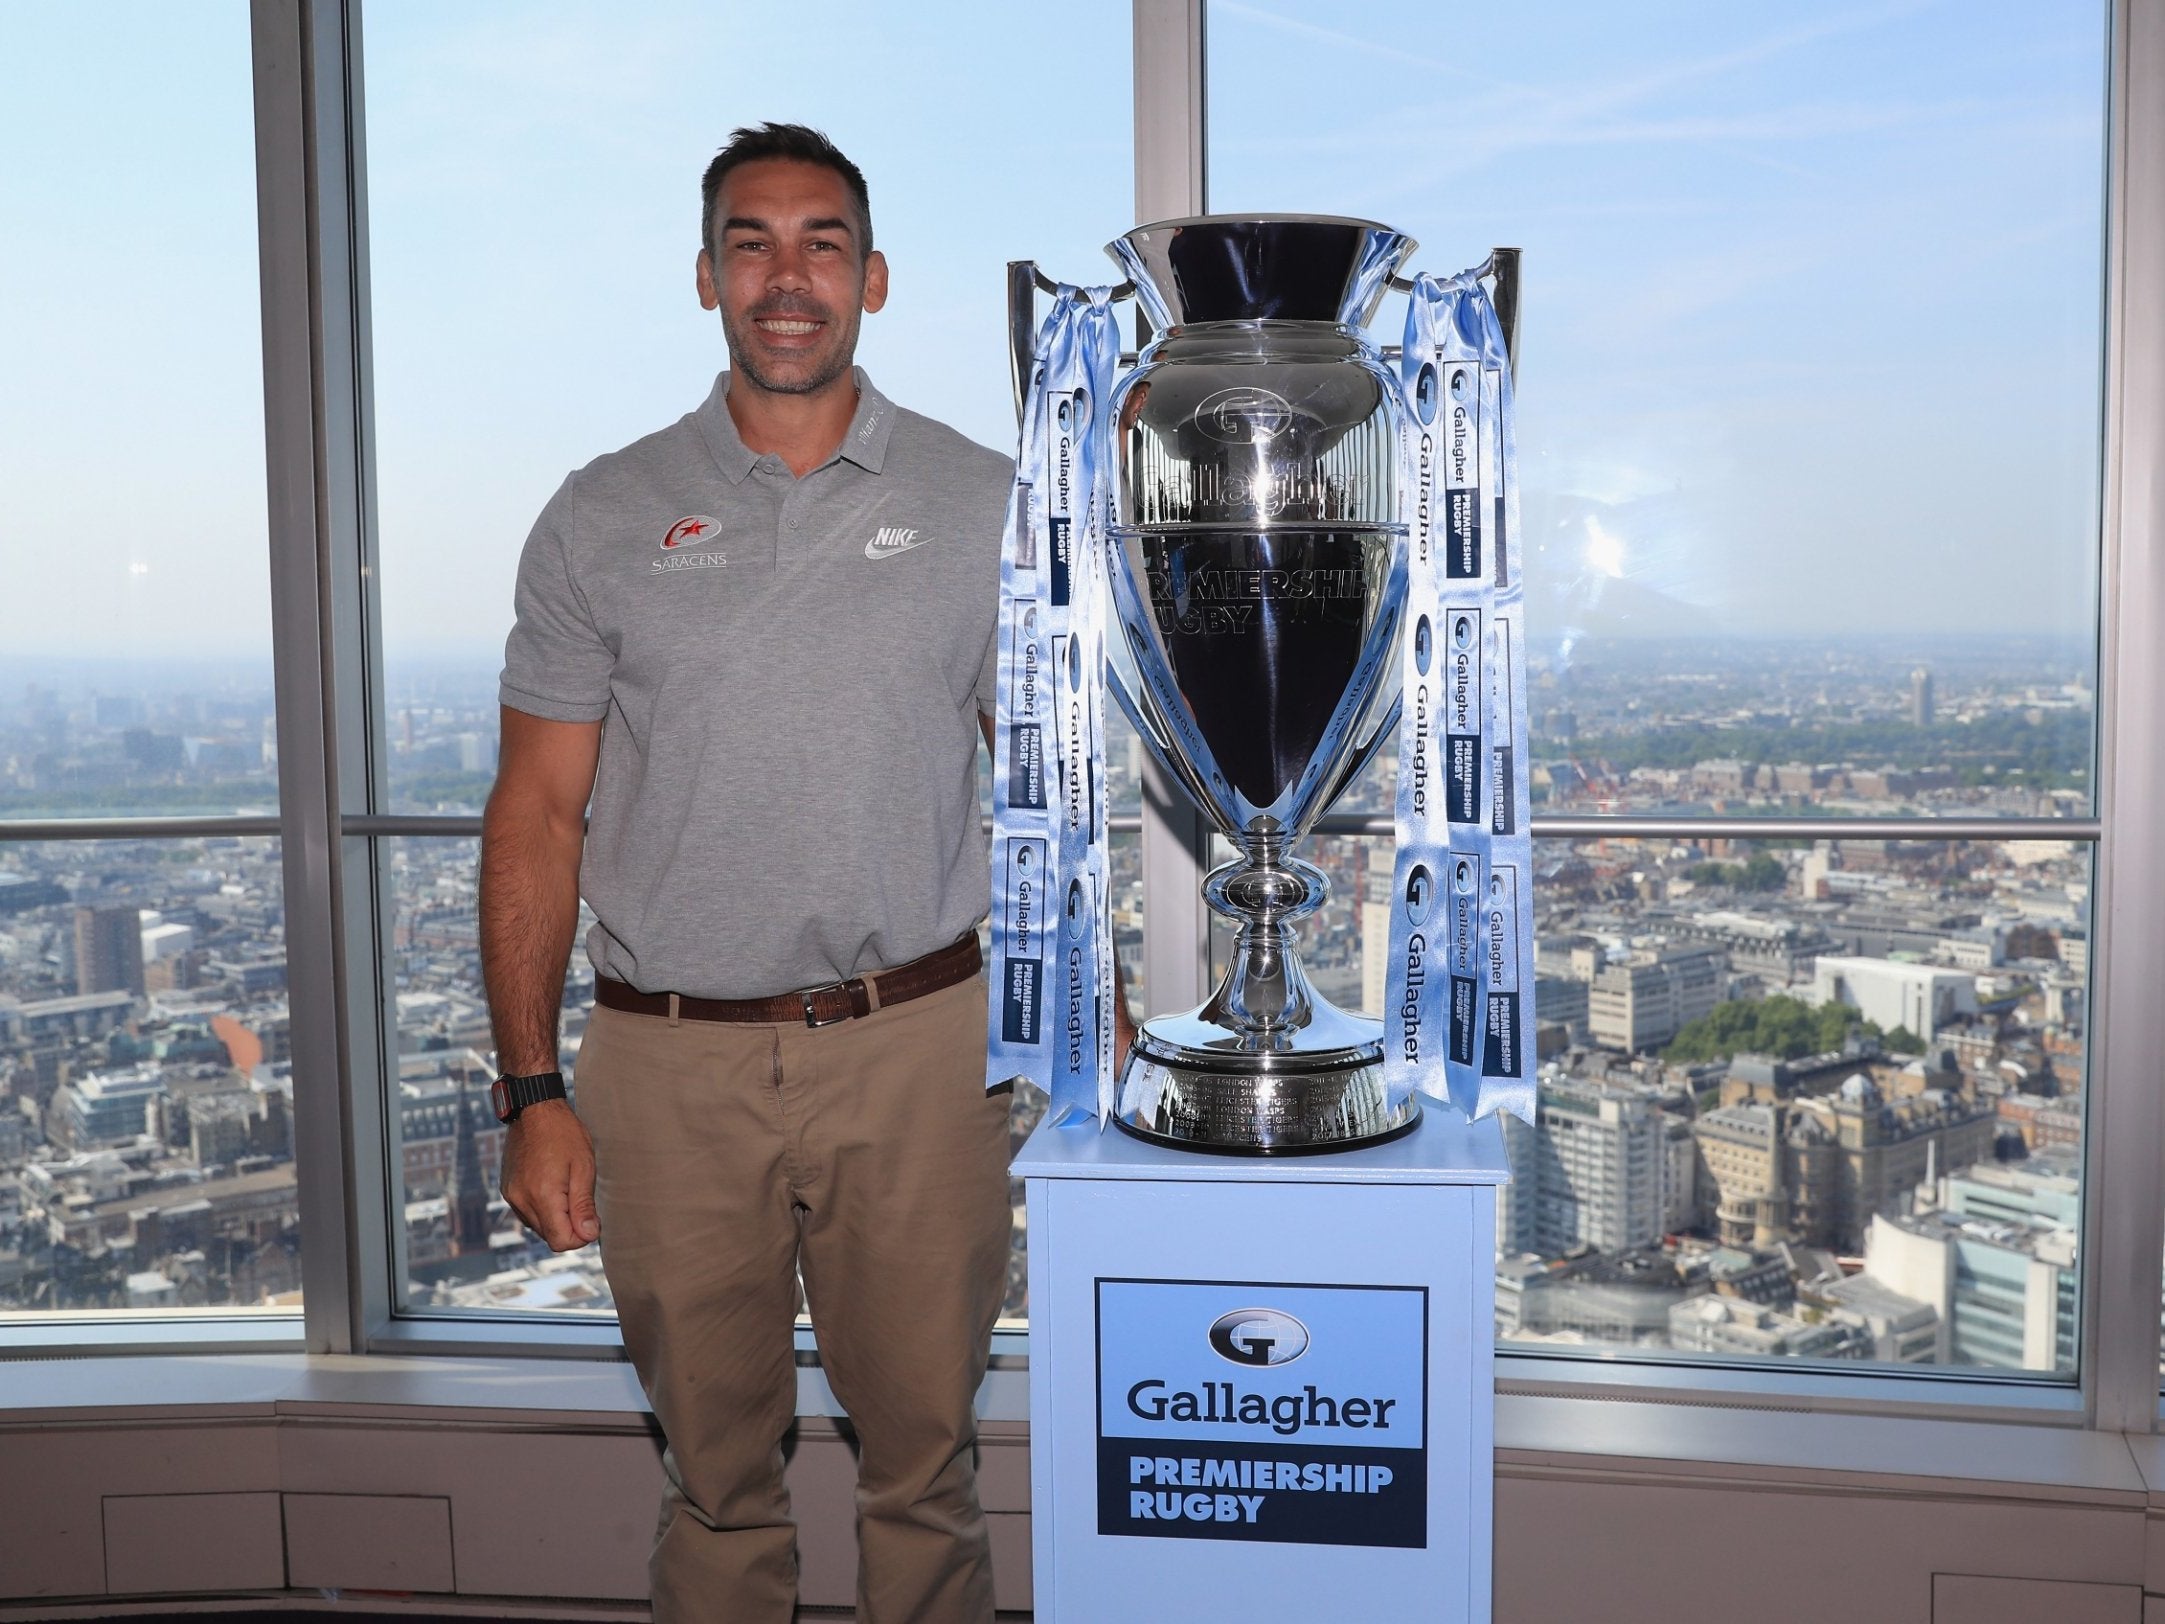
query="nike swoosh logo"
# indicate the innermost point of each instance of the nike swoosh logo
(894, 539)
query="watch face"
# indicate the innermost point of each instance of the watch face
(500, 1097)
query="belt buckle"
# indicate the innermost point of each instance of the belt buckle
(809, 993)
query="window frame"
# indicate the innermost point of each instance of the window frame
(331, 730)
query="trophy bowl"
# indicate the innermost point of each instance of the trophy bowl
(1258, 588)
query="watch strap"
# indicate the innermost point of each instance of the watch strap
(511, 1095)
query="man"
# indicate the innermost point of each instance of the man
(762, 638)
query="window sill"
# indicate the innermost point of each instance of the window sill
(1555, 1434)
(1536, 1434)
(121, 1335)
(442, 1367)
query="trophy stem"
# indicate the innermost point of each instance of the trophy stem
(1264, 994)
(1268, 1066)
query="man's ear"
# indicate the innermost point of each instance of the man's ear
(710, 296)
(875, 281)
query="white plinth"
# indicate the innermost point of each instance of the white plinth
(1262, 1386)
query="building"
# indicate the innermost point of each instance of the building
(1902, 1330)
(167, 941)
(1591, 1171)
(430, 1106)
(1920, 998)
(108, 950)
(1996, 1258)
(2042, 1193)
(19, 893)
(1818, 1168)
(1729, 1325)
(1920, 697)
(1779, 949)
(1623, 1300)
(1645, 1001)
(106, 1108)
(1746, 1174)
(1560, 999)
(2004, 1293)
(2044, 1122)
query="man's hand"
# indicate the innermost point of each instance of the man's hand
(549, 1175)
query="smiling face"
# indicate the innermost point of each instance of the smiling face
(788, 271)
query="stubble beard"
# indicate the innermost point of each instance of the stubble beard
(825, 367)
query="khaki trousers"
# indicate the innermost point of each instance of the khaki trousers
(867, 1155)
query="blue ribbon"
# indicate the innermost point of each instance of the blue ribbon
(1459, 1015)
(1051, 1012)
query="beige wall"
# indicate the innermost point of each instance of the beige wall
(557, 1509)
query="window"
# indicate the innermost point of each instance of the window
(530, 266)
(1819, 1095)
(146, 1091)
(1809, 369)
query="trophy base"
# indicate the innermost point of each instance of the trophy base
(1207, 1094)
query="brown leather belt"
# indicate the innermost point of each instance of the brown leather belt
(814, 1006)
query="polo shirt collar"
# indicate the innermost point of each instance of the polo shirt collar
(864, 442)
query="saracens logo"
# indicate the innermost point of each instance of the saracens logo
(693, 530)
(1258, 1336)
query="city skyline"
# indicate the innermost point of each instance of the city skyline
(1779, 1078)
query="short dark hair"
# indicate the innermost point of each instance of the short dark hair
(796, 141)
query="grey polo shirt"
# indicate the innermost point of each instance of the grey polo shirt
(788, 674)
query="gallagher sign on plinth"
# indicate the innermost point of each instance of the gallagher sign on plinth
(1296, 1414)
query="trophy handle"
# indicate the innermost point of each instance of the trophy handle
(1502, 268)
(1503, 264)
(1024, 282)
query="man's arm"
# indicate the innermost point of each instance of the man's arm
(1123, 1022)
(531, 837)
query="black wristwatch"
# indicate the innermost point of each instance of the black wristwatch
(511, 1095)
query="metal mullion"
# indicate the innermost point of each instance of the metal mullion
(1565, 827)
(16, 830)
(398, 825)
(296, 280)
(2124, 1195)
(1170, 150)
(376, 1261)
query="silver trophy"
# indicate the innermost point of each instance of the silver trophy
(1258, 585)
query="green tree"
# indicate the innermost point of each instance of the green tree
(1780, 1026)
(1762, 873)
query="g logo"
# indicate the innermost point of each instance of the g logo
(1075, 911)
(1258, 1336)
(1422, 639)
(1420, 894)
(1424, 393)
(1462, 631)
(1458, 383)
(1244, 415)
(1462, 877)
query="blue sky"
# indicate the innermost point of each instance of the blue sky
(1812, 292)
(1811, 311)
